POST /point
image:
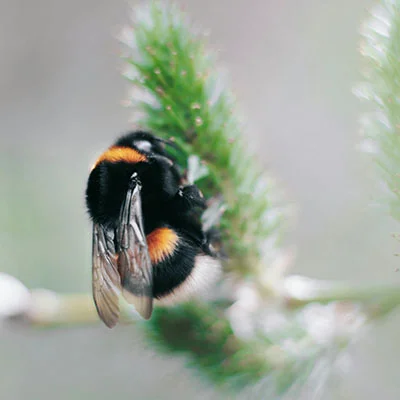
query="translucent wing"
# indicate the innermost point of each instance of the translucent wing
(134, 263)
(105, 277)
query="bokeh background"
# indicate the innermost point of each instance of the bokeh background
(292, 65)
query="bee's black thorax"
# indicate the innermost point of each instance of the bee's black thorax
(109, 180)
(106, 189)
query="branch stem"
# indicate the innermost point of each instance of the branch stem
(378, 300)
(52, 309)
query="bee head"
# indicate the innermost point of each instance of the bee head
(144, 142)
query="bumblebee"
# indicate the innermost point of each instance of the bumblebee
(148, 240)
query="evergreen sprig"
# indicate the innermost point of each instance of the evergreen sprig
(179, 94)
(381, 90)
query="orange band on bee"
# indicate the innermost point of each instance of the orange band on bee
(118, 153)
(161, 243)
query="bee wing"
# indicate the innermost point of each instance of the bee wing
(106, 281)
(134, 263)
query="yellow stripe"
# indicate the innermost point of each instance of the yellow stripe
(118, 153)
(161, 243)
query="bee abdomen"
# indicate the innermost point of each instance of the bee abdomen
(200, 275)
(173, 257)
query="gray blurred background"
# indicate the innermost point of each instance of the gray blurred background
(292, 65)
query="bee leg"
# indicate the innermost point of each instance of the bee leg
(212, 243)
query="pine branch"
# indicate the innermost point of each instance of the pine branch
(179, 94)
